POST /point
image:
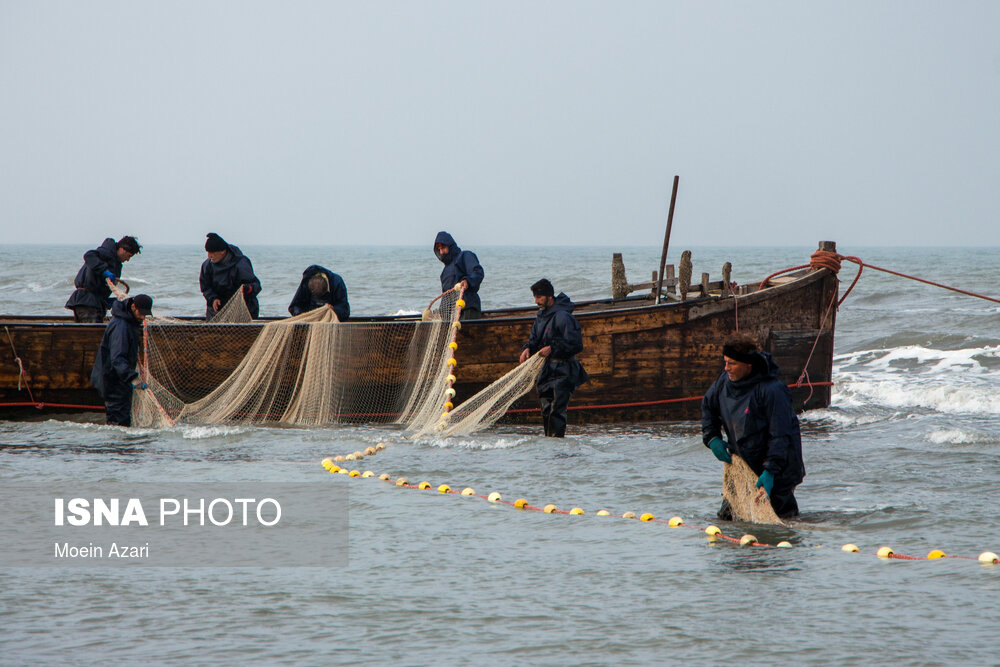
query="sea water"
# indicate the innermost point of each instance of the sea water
(907, 456)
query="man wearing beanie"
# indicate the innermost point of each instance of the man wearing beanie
(754, 407)
(556, 336)
(320, 287)
(114, 375)
(91, 300)
(224, 273)
(460, 266)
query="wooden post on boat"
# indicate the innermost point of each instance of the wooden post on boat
(727, 272)
(666, 239)
(684, 275)
(704, 284)
(619, 284)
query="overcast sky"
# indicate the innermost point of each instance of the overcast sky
(506, 123)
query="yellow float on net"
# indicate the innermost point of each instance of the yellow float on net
(385, 477)
(885, 552)
(989, 558)
(713, 531)
(460, 303)
(444, 488)
(784, 543)
(327, 462)
(452, 362)
(370, 451)
(449, 392)
(450, 379)
(646, 517)
(423, 486)
(675, 521)
(368, 473)
(334, 468)
(343, 471)
(354, 473)
(520, 503)
(494, 497)
(549, 509)
(747, 540)
(456, 325)
(448, 405)
(402, 481)
(339, 458)
(358, 455)
(453, 345)
(603, 513)
(628, 515)
(380, 446)
(468, 491)
(850, 548)
(935, 554)
(576, 510)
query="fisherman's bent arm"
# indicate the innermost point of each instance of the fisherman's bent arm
(471, 271)
(710, 420)
(341, 306)
(245, 276)
(205, 282)
(118, 347)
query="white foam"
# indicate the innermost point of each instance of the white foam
(479, 443)
(946, 398)
(202, 432)
(954, 436)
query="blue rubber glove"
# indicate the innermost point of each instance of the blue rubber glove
(766, 480)
(110, 276)
(718, 447)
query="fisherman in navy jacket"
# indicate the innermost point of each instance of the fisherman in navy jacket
(90, 301)
(754, 407)
(555, 335)
(224, 273)
(114, 374)
(460, 266)
(319, 287)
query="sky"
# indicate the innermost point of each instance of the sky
(506, 123)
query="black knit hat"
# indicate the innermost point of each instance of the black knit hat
(215, 243)
(543, 288)
(143, 303)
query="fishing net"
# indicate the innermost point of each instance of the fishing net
(313, 370)
(739, 487)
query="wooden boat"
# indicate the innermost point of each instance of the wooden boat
(647, 361)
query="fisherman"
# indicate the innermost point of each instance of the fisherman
(318, 288)
(555, 335)
(754, 408)
(91, 300)
(460, 266)
(114, 374)
(226, 271)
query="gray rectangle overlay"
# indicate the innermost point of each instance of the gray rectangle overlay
(185, 524)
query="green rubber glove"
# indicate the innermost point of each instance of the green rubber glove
(718, 447)
(766, 480)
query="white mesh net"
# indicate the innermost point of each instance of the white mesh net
(313, 370)
(748, 502)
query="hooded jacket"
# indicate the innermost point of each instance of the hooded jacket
(119, 351)
(556, 326)
(336, 294)
(221, 281)
(91, 287)
(460, 265)
(759, 422)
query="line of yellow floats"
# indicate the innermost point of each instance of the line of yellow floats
(713, 533)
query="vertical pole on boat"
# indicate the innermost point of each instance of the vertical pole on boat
(666, 240)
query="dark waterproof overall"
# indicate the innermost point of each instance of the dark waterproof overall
(89, 302)
(114, 367)
(760, 425)
(562, 373)
(461, 265)
(221, 281)
(336, 296)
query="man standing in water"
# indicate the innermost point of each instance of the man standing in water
(556, 336)
(114, 375)
(89, 302)
(754, 408)
(225, 272)
(460, 266)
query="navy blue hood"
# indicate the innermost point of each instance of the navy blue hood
(453, 250)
